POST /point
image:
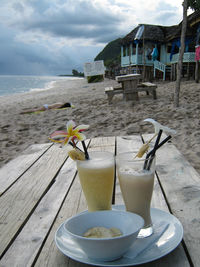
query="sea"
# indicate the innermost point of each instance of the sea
(14, 84)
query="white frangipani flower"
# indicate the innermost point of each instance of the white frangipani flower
(158, 127)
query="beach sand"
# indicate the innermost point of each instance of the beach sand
(18, 131)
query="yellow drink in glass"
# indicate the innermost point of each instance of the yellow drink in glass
(97, 180)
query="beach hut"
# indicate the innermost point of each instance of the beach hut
(153, 50)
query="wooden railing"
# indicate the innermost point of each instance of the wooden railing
(159, 66)
(187, 57)
(132, 60)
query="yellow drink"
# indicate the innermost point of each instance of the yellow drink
(97, 179)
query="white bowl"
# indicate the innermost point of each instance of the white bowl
(104, 249)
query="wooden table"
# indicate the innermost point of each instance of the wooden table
(40, 190)
(129, 85)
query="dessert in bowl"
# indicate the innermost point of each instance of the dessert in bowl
(116, 231)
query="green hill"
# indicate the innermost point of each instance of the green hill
(111, 54)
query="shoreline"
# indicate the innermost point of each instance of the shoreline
(91, 107)
(21, 84)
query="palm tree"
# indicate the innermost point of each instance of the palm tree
(195, 5)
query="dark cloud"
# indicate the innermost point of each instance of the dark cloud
(20, 58)
(84, 20)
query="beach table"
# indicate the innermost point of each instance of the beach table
(129, 85)
(40, 190)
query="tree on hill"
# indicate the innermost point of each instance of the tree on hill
(110, 54)
(77, 74)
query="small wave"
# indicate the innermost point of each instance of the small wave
(47, 86)
(74, 78)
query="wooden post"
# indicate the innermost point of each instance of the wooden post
(144, 69)
(130, 54)
(136, 57)
(181, 53)
(197, 71)
(174, 73)
(171, 72)
(188, 70)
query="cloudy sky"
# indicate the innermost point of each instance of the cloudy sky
(50, 37)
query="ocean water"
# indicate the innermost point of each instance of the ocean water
(14, 84)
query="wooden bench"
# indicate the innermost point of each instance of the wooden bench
(111, 91)
(148, 87)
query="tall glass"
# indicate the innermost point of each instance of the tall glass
(97, 179)
(136, 185)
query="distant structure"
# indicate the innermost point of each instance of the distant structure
(153, 50)
(94, 68)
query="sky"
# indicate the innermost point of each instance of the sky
(52, 37)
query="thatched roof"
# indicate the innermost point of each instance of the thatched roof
(192, 21)
(194, 18)
(160, 34)
(150, 33)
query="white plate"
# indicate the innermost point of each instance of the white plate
(167, 241)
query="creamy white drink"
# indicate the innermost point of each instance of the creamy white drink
(137, 188)
(136, 185)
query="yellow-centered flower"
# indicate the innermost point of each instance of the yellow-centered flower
(73, 132)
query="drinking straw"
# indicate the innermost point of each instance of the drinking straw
(157, 141)
(151, 158)
(153, 151)
(85, 150)
(164, 141)
(84, 147)
(76, 146)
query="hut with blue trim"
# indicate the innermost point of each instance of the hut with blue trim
(154, 49)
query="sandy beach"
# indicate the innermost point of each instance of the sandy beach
(91, 107)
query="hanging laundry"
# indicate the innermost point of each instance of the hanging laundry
(154, 54)
(198, 35)
(174, 44)
(197, 53)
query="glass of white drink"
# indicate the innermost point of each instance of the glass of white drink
(97, 179)
(136, 183)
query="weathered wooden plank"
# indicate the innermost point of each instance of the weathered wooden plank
(50, 255)
(180, 182)
(178, 257)
(20, 200)
(27, 244)
(74, 203)
(16, 167)
(103, 144)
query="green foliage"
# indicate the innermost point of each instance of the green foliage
(194, 4)
(95, 78)
(111, 53)
(77, 74)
